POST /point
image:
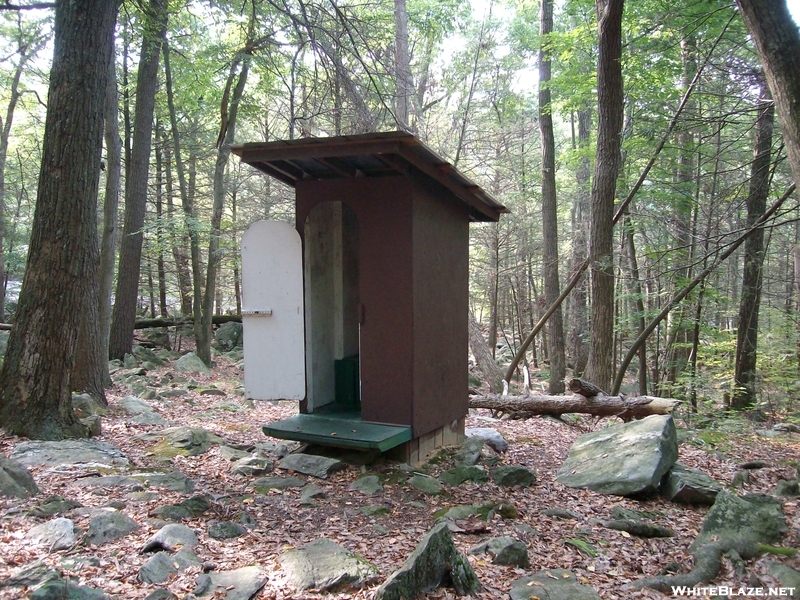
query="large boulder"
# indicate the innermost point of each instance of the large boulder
(628, 459)
(229, 336)
(181, 441)
(239, 584)
(324, 565)
(733, 520)
(56, 534)
(68, 452)
(310, 464)
(690, 486)
(191, 363)
(15, 480)
(434, 561)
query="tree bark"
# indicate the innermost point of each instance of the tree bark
(492, 374)
(555, 325)
(36, 377)
(124, 313)
(626, 408)
(580, 249)
(744, 392)
(405, 88)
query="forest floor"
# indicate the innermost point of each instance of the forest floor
(540, 444)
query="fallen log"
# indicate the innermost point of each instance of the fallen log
(624, 407)
(170, 322)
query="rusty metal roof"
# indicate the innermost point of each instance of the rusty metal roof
(366, 155)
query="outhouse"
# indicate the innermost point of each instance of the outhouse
(360, 310)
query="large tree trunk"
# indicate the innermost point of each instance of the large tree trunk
(36, 377)
(601, 249)
(555, 325)
(626, 408)
(744, 392)
(492, 374)
(579, 322)
(130, 258)
(402, 64)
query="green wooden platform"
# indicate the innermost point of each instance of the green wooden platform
(344, 430)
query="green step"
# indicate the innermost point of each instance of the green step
(342, 430)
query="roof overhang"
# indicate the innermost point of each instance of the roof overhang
(366, 155)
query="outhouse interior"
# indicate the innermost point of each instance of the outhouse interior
(384, 229)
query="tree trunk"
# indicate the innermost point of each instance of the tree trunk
(580, 249)
(624, 407)
(405, 88)
(125, 299)
(601, 249)
(555, 325)
(492, 374)
(36, 375)
(744, 392)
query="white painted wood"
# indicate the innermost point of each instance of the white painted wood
(272, 312)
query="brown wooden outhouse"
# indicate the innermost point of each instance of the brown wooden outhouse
(373, 301)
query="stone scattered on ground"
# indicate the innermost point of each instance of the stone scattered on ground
(109, 526)
(224, 530)
(426, 485)
(262, 485)
(250, 466)
(15, 480)
(552, 584)
(504, 550)
(460, 474)
(56, 534)
(172, 480)
(689, 486)
(559, 513)
(369, 485)
(493, 438)
(309, 464)
(513, 476)
(107, 482)
(232, 454)
(434, 561)
(787, 488)
(33, 575)
(191, 363)
(135, 406)
(624, 460)
(229, 336)
(240, 584)
(181, 441)
(787, 577)
(68, 452)
(171, 537)
(58, 589)
(83, 405)
(53, 505)
(310, 493)
(735, 519)
(325, 566)
(470, 451)
(162, 565)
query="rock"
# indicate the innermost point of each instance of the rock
(109, 526)
(135, 406)
(458, 475)
(432, 562)
(368, 485)
(196, 505)
(513, 476)
(109, 482)
(33, 575)
(53, 505)
(787, 577)
(493, 438)
(66, 590)
(552, 584)
(626, 459)
(690, 486)
(224, 530)
(559, 513)
(149, 418)
(228, 406)
(232, 454)
(68, 452)
(147, 355)
(470, 451)
(85, 406)
(173, 480)
(181, 441)
(263, 484)
(504, 550)
(129, 361)
(309, 464)
(229, 336)
(15, 480)
(140, 497)
(324, 566)
(171, 512)
(191, 363)
(93, 424)
(241, 584)
(372, 510)
(78, 563)
(426, 485)
(162, 594)
(163, 564)
(171, 537)
(309, 493)
(58, 534)
(786, 488)
(252, 465)
(216, 392)
(753, 518)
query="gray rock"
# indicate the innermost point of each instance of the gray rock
(135, 406)
(66, 590)
(93, 424)
(33, 575)
(625, 460)
(786, 488)
(85, 406)
(754, 518)
(58, 534)
(191, 363)
(559, 513)
(264, 484)
(173, 480)
(229, 336)
(53, 505)
(183, 441)
(368, 485)
(252, 465)
(513, 476)
(372, 510)
(149, 418)
(426, 485)
(241, 584)
(171, 512)
(140, 497)
(212, 391)
(232, 454)
(504, 550)
(109, 526)
(163, 564)
(787, 577)
(493, 438)
(434, 560)
(309, 493)
(309, 464)
(15, 480)
(552, 584)
(163, 594)
(224, 530)
(690, 486)
(460, 474)
(129, 361)
(171, 537)
(109, 482)
(470, 451)
(79, 563)
(324, 566)
(147, 355)
(68, 452)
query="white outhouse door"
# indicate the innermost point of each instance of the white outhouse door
(272, 312)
